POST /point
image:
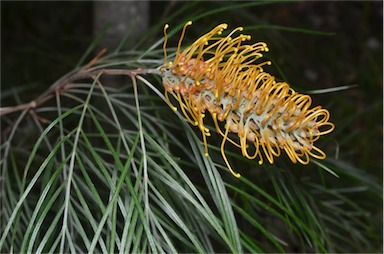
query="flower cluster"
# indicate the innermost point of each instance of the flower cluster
(223, 76)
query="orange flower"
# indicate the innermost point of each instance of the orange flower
(223, 76)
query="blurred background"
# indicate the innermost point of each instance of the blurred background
(313, 45)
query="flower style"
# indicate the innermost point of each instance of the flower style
(221, 75)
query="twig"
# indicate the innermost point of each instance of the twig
(62, 86)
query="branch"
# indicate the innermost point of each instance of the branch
(62, 86)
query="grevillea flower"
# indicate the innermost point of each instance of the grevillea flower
(223, 76)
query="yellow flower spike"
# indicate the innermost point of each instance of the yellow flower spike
(226, 77)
